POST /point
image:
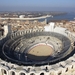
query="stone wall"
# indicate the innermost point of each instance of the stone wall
(66, 67)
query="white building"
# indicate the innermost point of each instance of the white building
(21, 16)
(52, 28)
(5, 30)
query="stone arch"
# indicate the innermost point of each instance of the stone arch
(42, 73)
(28, 31)
(18, 33)
(66, 70)
(4, 72)
(32, 74)
(22, 73)
(22, 32)
(72, 67)
(46, 68)
(68, 67)
(60, 72)
(12, 73)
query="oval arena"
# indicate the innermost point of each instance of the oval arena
(37, 53)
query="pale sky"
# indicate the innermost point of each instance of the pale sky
(37, 5)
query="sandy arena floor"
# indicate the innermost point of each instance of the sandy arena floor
(40, 52)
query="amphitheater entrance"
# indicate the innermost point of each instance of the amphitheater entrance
(40, 52)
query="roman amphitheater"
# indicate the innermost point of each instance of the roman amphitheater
(37, 52)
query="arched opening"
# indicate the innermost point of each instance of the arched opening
(3, 72)
(72, 66)
(32, 74)
(47, 69)
(12, 73)
(60, 73)
(42, 74)
(66, 69)
(22, 73)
